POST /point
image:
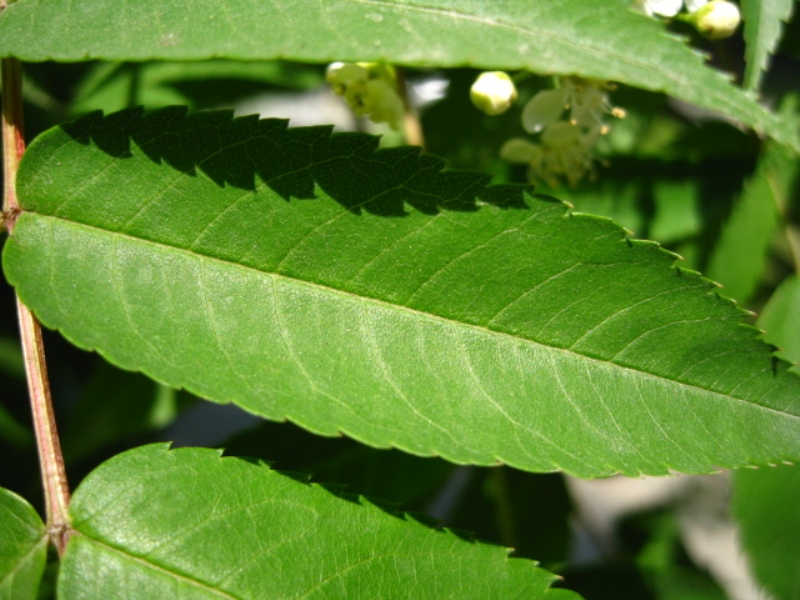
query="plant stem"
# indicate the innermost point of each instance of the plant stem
(13, 134)
(54, 477)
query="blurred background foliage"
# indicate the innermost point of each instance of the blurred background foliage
(725, 200)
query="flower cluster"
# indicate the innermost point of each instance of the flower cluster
(370, 89)
(570, 120)
(715, 19)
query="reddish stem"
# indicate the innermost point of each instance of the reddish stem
(13, 135)
(54, 477)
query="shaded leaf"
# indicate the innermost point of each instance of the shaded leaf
(763, 21)
(609, 582)
(766, 504)
(114, 405)
(187, 522)
(23, 547)
(530, 512)
(655, 539)
(740, 256)
(307, 276)
(781, 318)
(205, 84)
(581, 37)
(410, 480)
(677, 211)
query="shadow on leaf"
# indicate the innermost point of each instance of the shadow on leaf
(293, 161)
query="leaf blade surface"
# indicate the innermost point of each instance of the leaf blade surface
(207, 526)
(763, 22)
(580, 37)
(23, 547)
(307, 276)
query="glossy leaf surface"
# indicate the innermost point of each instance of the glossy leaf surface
(602, 40)
(307, 276)
(188, 523)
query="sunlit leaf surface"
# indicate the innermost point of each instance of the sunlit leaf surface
(602, 40)
(310, 277)
(189, 524)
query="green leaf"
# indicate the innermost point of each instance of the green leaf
(740, 256)
(762, 31)
(530, 512)
(413, 479)
(205, 84)
(655, 539)
(766, 504)
(598, 40)
(23, 547)
(190, 523)
(781, 319)
(500, 505)
(307, 276)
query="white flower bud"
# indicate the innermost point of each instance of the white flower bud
(493, 92)
(717, 20)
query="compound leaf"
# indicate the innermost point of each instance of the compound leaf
(308, 276)
(601, 40)
(188, 523)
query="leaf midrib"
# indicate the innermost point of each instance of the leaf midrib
(485, 330)
(138, 559)
(42, 541)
